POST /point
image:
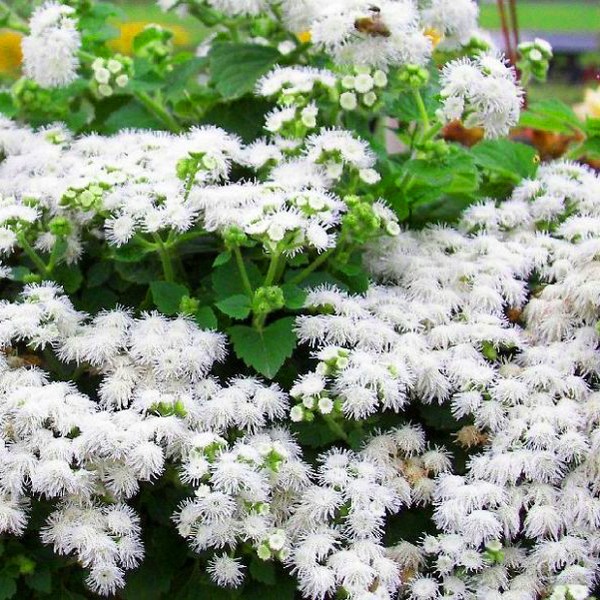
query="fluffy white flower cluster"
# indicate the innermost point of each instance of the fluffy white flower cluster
(361, 32)
(50, 49)
(481, 92)
(337, 526)
(141, 183)
(456, 20)
(499, 319)
(158, 405)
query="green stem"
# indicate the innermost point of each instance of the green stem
(33, 255)
(312, 267)
(270, 278)
(422, 109)
(158, 111)
(165, 258)
(242, 269)
(335, 427)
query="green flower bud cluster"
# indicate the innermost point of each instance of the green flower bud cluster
(154, 43)
(267, 300)
(360, 87)
(60, 226)
(293, 122)
(434, 149)
(263, 27)
(234, 237)
(535, 59)
(30, 98)
(110, 74)
(189, 305)
(310, 405)
(188, 167)
(413, 76)
(274, 546)
(363, 222)
(476, 46)
(86, 198)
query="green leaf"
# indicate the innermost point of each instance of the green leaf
(178, 78)
(138, 272)
(167, 296)
(237, 306)
(226, 279)
(235, 68)
(294, 296)
(244, 117)
(550, 115)
(511, 160)
(205, 318)
(133, 115)
(134, 251)
(19, 273)
(7, 107)
(263, 571)
(70, 277)
(265, 350)
(222, 259)
(8, 587)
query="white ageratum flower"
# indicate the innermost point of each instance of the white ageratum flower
(50, 50)
(482, 92)
(226, 571)
(363, 33)
(455, 19)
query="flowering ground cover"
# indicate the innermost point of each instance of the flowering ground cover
(248, 352)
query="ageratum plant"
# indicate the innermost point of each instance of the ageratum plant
(268, 333)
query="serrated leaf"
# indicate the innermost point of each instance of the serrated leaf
(550, 115)
(512, 160)
(266, 350)
(167, 296)
(237, 306)
(294, 296)
(235, 68)
(205, 318)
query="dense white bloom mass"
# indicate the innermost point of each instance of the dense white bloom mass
(50, 49)
(481, 92)
(498, 319)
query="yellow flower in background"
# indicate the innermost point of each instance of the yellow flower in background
(10, 51)
(304, 36)
(434, 35)
(590, 107)
(10, 42)
(128, 31)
